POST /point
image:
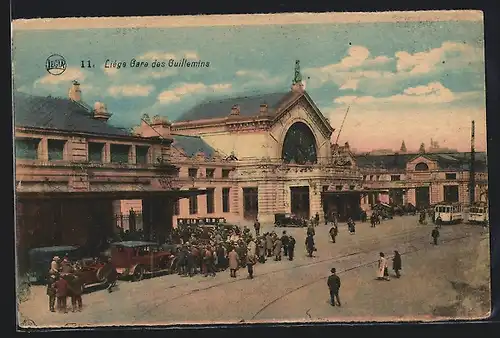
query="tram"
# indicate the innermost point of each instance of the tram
(478, 214)
(448, 213)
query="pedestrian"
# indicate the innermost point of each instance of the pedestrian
(310, 230)
(221, 258)
(51, 292)
(435, 235)
(257, 227)
(310, 245)
(75, 288)
(333, 232)
(261, 249)
(61, 286)
(233, 262)
(316, 219)
(269, 244)
(111, 277)
(396, 263)
(251, 260)
(54, 267)
(291, 247)
(382, 272)
(277, 249)
(284, 242)
(334, 287)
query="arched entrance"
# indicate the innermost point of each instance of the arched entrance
(299, 146)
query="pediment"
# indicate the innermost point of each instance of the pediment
(421, 158)
(313, 113)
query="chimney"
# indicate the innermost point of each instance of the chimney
(235, 110)
(75, 93)
(101, 112)
(263, 109)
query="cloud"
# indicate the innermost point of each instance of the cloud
(360, 69)
(130, 90)
(350, 84)
(175, 94)
(110, 71)
(433, 92)
(449, 54)
(69, 75)
(163, 56)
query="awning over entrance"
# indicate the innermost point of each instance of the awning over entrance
(113, 195)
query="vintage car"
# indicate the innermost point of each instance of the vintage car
(289, 220)
(135, 259)
(40, 259)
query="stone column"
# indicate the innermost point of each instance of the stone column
(315, 203)
(43, 150)
(106, 156)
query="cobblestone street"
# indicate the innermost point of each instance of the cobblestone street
(448, 280)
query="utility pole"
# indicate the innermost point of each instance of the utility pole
(472, 171)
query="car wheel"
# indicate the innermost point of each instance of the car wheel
(138, 274)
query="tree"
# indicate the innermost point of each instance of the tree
(422, 148)
(403, 147)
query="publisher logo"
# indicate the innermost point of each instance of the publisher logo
(55, 64)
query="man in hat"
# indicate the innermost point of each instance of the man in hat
(284, 242)
(61, 286)
(233, 262)
(277, 249)
(251, 260)
(256, 226)
(269, 244)
(66, 266)
(75, 290)
(291, 247)
(334, 287)
(51, 291)
(435, 235)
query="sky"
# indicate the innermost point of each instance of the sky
(409, 81)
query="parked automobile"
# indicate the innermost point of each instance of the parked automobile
(289, 220)
(135, 259)
(40, 259)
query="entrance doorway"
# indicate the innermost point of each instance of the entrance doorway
(250, 203)
(422, 197)
(396, 196)
(299, 201)
(343, 205)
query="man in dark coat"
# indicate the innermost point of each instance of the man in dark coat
(284, 243)
(310, 245)
(291, 247)
(435, 235)
(75, 288)
(396, 263)
(51, 292)
(316, 219)
(256, 226)
(334, 287)
(61, 286)
(333, 232)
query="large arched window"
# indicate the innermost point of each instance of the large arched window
(421, 167)
(299, 145)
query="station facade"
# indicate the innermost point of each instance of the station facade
(242, 158)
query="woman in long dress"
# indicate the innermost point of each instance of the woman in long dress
(382, 272)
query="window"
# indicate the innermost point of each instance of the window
(210, 172)
(299, 145)
(141, 154)
(95, 152)
(395, 178)
(119, 153)
(450, 193)
(451, 176)
(177, 207)
(338, 187)
(225, 199)
(225, 173)
(27, 149)
(421, 167)
(210, 201)
(351, 187)
(56, 149)
(192, 172)
(193, 203)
